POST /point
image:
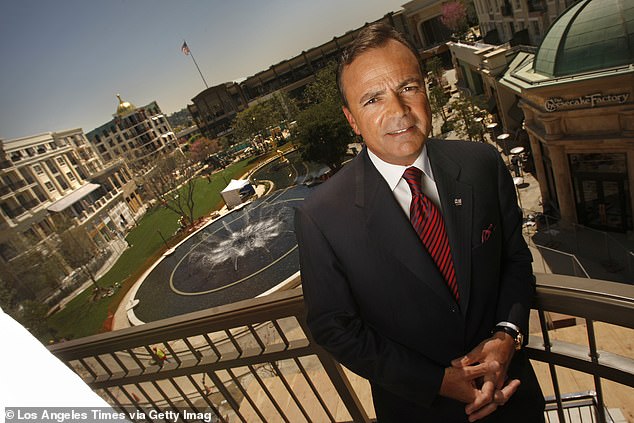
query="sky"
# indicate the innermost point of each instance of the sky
(63, 61)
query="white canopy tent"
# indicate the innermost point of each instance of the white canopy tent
(231, 193)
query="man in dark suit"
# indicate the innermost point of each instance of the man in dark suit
(415, 272)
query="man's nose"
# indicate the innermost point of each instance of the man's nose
(396, 106)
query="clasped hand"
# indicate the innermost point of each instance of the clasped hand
(479, 378)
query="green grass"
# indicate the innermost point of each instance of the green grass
(82, 316)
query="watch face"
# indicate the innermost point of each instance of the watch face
(519, 341)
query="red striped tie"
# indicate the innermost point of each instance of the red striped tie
(430, 227)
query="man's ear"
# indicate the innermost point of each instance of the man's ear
(351, 120)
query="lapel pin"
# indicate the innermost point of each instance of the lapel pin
(457, 201)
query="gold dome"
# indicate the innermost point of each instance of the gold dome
(124, 107)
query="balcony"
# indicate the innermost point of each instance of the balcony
(16, 185)
(31, 204)
(254, 361)
(537, 6)
(15, 212)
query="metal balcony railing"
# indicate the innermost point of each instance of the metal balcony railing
(254, 360)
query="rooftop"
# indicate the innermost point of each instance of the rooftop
(591, 35)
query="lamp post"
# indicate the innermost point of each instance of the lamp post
(503, 139)
(479, 121)
(516, 160)
(517, 181)
(492, 129)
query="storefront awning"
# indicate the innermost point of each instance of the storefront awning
(73, 197)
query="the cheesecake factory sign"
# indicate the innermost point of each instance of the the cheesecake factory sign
(592, 100)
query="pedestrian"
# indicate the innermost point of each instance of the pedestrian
(515, 162)
(414, 270)
(160, 355)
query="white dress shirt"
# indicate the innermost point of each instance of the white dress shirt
(393, 175)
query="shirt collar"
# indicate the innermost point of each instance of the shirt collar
(393, 173)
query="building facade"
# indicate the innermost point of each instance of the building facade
(215, 108)
(58, 175)
(139, 135)
(424, 26)
(577, 97)
(517, 21)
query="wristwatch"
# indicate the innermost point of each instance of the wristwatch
(518, 338)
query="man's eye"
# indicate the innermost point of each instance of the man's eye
(371, 101)
(410, 88)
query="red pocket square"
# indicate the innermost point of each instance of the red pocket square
(486, 233)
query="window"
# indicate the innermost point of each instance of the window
(39, 193)
(38, 169)
(61, 161)
(7, 251)
(51, 166)
(70, 176)
(49, 186)
(27, 175)
(45, 227)
(62, 182)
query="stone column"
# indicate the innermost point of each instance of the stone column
(539, 168)
(552, 127)
(626, 118)
(630, 182)
(563, 182)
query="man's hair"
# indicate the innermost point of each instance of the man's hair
(373, 36)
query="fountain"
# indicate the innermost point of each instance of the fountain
(241, 255)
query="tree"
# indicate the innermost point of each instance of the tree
(257, 119)
(434, 68)
(203, 148)
(438, 99)
(7, 293)
(282, 101)
(324, 135)
(34, 272)
(466, 110)
(323, 131)
(33, 317)
(171, 182)
(77, 249)
(324, 89)
(454, 17)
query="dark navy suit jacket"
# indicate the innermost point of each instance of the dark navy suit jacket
(377, 302)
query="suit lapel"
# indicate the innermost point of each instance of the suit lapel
(390, 229)
(456, 199)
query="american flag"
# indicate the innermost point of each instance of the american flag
(185, 48)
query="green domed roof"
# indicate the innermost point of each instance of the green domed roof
(590, 35)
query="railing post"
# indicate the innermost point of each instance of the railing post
(343, 387)
(551, 367)
(594, 356)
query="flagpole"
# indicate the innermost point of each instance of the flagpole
(188, 52)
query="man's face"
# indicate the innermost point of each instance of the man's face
(387, 103)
